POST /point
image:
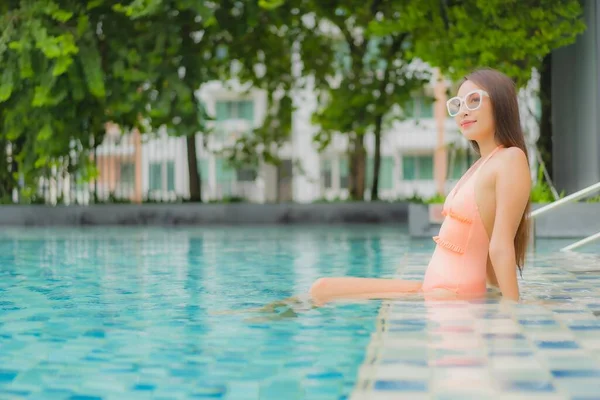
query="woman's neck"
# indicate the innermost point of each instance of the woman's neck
(486, 147)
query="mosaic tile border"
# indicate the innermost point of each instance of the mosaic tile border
(546, 347)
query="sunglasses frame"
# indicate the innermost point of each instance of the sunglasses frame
(462, 101)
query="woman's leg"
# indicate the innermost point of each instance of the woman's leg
(328, 289)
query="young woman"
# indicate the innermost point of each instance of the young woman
(485, 232)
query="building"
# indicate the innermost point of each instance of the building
(155, 167)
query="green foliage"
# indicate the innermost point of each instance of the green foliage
(68, 67)
(593, 199)
(435, 199)
(417, 199)
(541, 191)
(67, 71)
(510, 35)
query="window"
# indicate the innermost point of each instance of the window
(203, 169)
(155, 176)
(127, 173)
(417, 167)
(424, 105)
(162, 176)
(344, 172)
(170, 176)
(235, 109)
(418, 107)
(386, 173)
(247, 174)
(224, 173)
(457, 164)
(326, 173)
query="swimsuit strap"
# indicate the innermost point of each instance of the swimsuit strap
(489, 156)
(473, 170)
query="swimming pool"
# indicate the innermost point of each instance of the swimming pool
(168, 314)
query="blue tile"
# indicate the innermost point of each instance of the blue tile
(555, 297)
(84, 397)
(401, 386)
(562, 344)
(207, 395)
(7, 375)
(144, 387)
(325, 375)
(584, 327)
(408, 328)
(97, 333)
(576, 373)
(12, 393)
(408, 362)
(534, 322)
(299, 364)
(210, 392)
(503, 336)
(527, 386)
(492, 315)
(407, 322)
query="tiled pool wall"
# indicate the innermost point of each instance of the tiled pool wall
(545, 347)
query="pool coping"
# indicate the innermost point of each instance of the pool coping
(205, 214)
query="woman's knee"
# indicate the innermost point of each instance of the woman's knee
(318, 286)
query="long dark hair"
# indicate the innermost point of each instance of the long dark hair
(508, 132)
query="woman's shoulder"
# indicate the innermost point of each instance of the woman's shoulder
(513, 164)
(513, 154)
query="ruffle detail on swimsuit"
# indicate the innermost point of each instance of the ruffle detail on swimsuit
(448, 245)
(456, 216)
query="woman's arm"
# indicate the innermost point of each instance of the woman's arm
(513, 186)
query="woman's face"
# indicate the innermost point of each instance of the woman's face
(474, 118)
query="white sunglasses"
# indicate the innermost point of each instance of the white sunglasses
(472, 101)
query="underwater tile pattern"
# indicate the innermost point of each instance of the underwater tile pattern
(545, 347)
(92, 314)
(171, 313)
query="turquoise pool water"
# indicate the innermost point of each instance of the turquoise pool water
(131, 313)
(170, 314)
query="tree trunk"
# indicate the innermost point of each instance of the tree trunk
(194, 174)
(544, 142)
(377, 158)
(356, 182)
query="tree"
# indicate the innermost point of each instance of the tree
(513, 36)
(381, 40)
(200, 42)
(375, 74)
(68, 69)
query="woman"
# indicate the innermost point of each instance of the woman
(485, 232)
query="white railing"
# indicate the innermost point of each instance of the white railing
(568, 199)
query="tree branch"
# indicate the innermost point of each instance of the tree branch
(375, 6)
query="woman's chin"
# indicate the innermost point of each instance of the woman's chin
(469, 134)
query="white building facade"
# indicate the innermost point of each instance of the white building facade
(305, 175)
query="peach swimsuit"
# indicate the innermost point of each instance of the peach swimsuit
(459, 261)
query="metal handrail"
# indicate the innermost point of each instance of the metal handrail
(572, 197)
(580, 243)
(558, 203)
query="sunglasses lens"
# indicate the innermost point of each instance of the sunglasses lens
(453, 106)
(473, 101)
